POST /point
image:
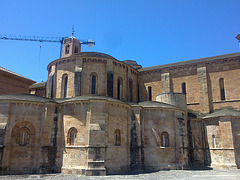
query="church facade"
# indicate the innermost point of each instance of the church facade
(104, 116)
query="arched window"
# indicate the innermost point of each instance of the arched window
(120, 88)
(131, 89)
(110, 83)
(64, 85)
(214, 141)
(184, 88)
(67, 48)
(23, 136)
(149, 93)
(117, 137)
(93, 87)
(72, 135)
(221, 87)
(165, 139)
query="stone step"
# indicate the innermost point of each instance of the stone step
(96, 164)
(95, 172)
(73, 171)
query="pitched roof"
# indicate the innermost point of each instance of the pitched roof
(25, 97)
(156, 104)
(232, 55)
(223, 112)
(38, 85)
(15, 74)
(132, 63)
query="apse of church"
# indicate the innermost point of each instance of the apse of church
(104, 116)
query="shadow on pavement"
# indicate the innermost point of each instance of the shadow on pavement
(200, 168)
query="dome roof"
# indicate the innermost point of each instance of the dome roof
(94, 54)
(35, 98)
(88, 97)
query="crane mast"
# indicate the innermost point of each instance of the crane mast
(60, 40)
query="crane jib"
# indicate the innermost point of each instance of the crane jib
(43, 39)
(40, 39)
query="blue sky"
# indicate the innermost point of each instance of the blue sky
(152, 32)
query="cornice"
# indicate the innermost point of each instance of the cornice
(14, 77)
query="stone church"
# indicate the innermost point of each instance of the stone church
(99, 116)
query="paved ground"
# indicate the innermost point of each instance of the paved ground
(217, 174)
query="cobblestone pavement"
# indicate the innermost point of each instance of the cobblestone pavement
(219, 174)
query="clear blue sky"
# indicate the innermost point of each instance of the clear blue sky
(152, 32)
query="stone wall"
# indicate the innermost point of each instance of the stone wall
(175, 99)
(199, 153)
(66, 67)
(97, 149)
(117, 155)
(11, 85)
(229, 71)
(149, 79)
(202, 82)
(156, 155)
(220, 141)
(95, 67)
(96, 135)
(99, 135)
(75, 156)
(39, 91)
(36, 152)
(91, 66)
(235, 123)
